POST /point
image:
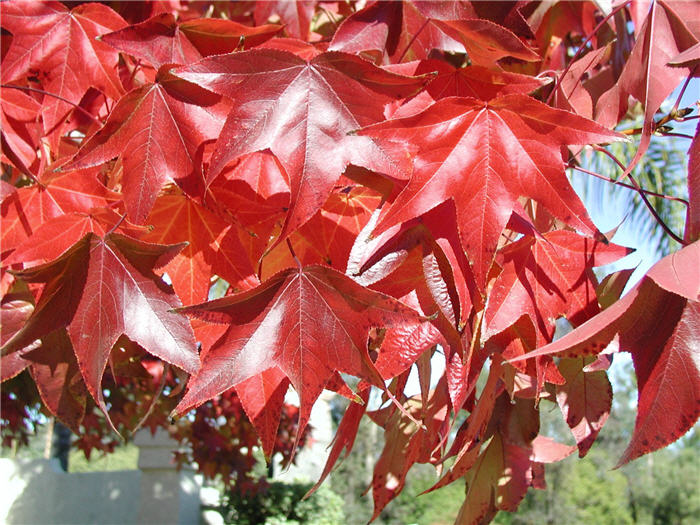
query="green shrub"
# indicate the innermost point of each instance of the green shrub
(281, 503)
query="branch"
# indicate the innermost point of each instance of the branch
(642, 194)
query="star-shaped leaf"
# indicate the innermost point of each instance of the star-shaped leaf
(308, 322)
(62, 44)
(155, 130)
(547, 278)
(100, 289)
(484, 156)
(301, 110)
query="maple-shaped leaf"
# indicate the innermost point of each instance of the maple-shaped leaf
(484, 156)
(157, 41)
(547, 278)
(25, 210)
(100, 289)
(155, 130)
(213, 248)
(301, 110)
(57, 235)
(63, 46)
(474, 81)
(646, 74)
(585, 400)
(308, 322)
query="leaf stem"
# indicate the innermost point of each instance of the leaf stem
(34, 90)
(629, 186)
(685, 85)
(413, 39)
(291, 250)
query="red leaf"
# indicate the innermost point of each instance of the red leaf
(646, 74)
(101, 289)
(155, 130)
(668, 378)
(485, 156)
(300, 110)
(309, 323)
(213, 248)
(296, 15)
(692, 228)
(547, 278)
(262, 397)
(26, 209)
(62, 45)
(158, 41)
(400, 30)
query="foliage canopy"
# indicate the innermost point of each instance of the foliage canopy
(355, 186)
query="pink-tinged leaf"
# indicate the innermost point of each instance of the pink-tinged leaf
(547, 278)
(484, 156)
(668, 378)
(155, 129)
(547, 450)
(474, 81)
(680, 272)
(14, 312)
(300, 110)
(27, 208)
(645, 315)
(100, 289)
(585, 401)
(308, 322)
(262, 397)
(296, 15)
(63, 45)
(54, 237)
